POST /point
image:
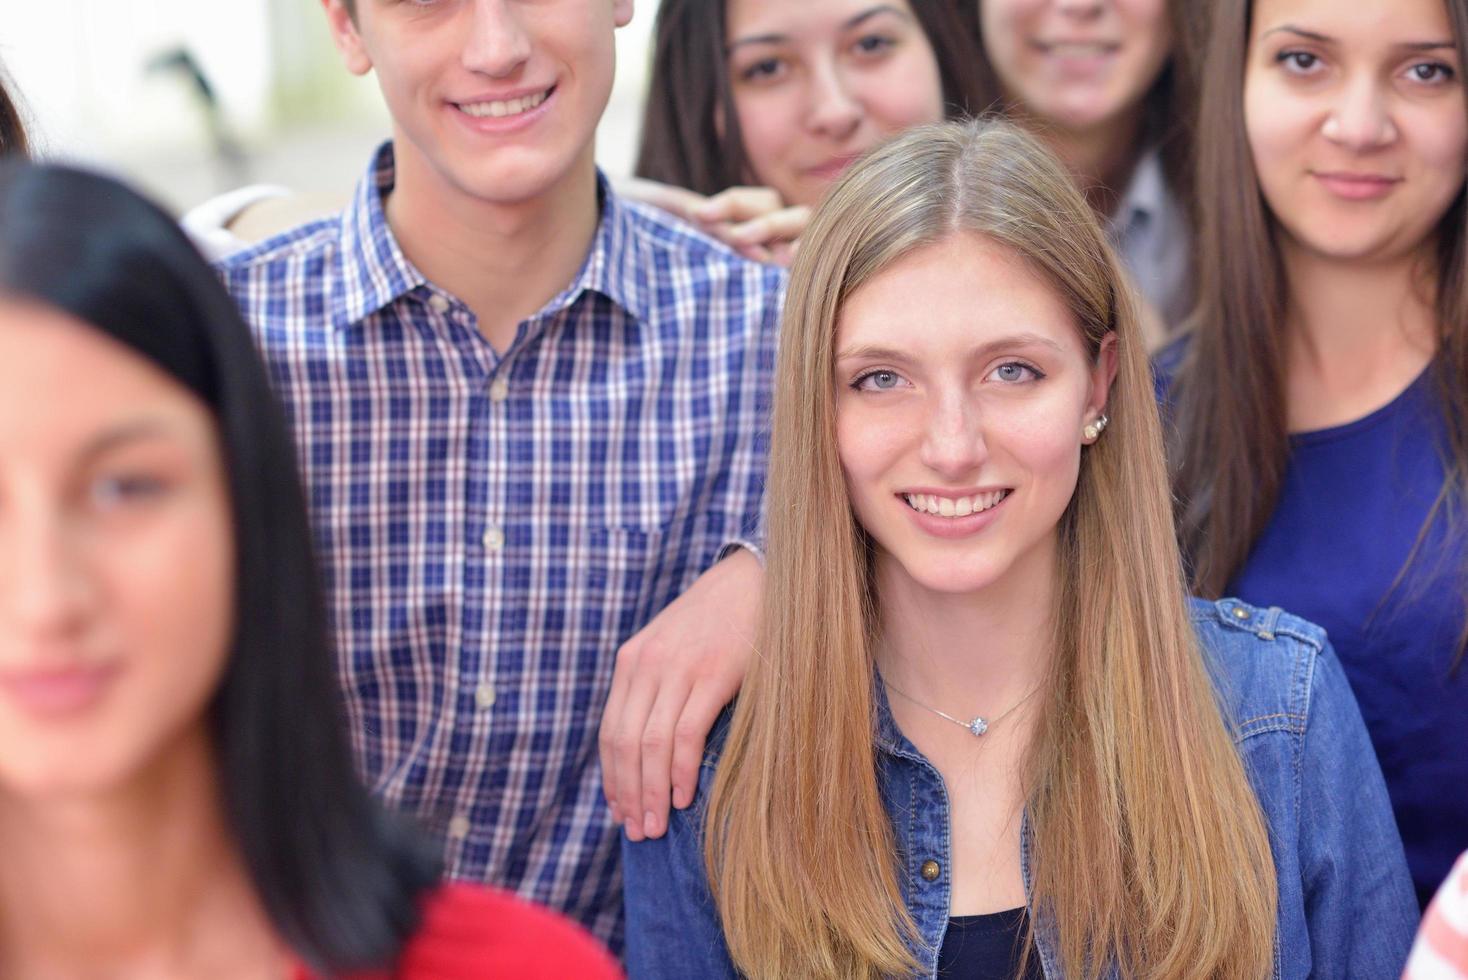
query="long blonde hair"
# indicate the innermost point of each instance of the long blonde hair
(1149, 850)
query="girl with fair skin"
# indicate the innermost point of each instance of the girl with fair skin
(1105, 85)
(756, 106)
(987, 732)
(1329, 356)
(177, 798)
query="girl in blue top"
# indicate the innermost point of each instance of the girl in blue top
(985, 735)
(1321, 403)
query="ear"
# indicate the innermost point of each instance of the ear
(622, 12)
(344, 33)
(1103, 375)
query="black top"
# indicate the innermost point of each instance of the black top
(987, 947)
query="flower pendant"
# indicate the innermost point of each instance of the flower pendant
(978, 726)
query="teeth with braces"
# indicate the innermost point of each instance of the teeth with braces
(927, 503)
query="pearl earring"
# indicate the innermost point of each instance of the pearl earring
(1093, 430)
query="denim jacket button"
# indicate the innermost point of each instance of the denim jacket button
(1240, 613)
(931, 870)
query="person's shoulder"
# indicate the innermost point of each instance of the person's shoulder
(294, 247)
(476, 931)
(680, 246)
(1263, 663)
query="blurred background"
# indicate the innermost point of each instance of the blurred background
(190, 98)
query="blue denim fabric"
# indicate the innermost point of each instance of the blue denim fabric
(1346, 905)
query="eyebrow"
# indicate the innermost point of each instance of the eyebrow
(879, 353)
(1326, 39)
(139, 431)
(865, 15)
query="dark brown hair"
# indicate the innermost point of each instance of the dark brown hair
(1171, 104)
(13, 140)
(1229, 440)
(689, 90)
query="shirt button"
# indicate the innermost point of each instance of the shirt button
(1240, 612)
(499, 391)
(459, 827)
(438, 304)
(484, 696)
(494, 539)
(931, 870)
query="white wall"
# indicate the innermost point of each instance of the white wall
(80, 68)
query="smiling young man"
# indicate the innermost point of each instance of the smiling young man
(529, 415)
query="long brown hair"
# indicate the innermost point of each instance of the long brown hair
(682, 141)
(1230, 440)
(1148, 848)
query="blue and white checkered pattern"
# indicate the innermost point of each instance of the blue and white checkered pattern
(492, 527)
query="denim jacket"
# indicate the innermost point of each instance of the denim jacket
(1346, 905)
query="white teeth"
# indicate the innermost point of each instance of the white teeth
(1079, 49)
(510, 107)
(927, 503)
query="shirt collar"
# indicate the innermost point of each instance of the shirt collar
(374, 272)
(612, 267)
(888, 736)
(1146, 193)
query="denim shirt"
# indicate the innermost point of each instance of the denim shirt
(1346, 905)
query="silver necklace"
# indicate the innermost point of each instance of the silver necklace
(978, 725)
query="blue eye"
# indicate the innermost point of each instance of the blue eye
(1015, 372)
(878, 381)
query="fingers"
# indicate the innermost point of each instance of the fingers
(738, 204)
(611, 721)
(657, 753)
(785, 225)
(702, 707)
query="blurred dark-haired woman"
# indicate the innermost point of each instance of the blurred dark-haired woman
(177, 797)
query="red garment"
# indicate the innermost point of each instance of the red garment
(470, 931)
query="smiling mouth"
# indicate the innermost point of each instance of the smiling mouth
(1078, 49)
(927, 503)
(497, 108)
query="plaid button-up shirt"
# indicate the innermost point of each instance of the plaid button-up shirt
(492, 527)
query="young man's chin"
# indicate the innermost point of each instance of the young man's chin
(510, 175)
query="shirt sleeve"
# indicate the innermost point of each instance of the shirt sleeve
(744, 501)
(1360, 906)
(1441, 950)
(673, 929)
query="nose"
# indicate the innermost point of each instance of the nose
(953, 445)
(497, 44)
(1361, 118)
(1081, 9)
(44, 587)
(835, 111)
